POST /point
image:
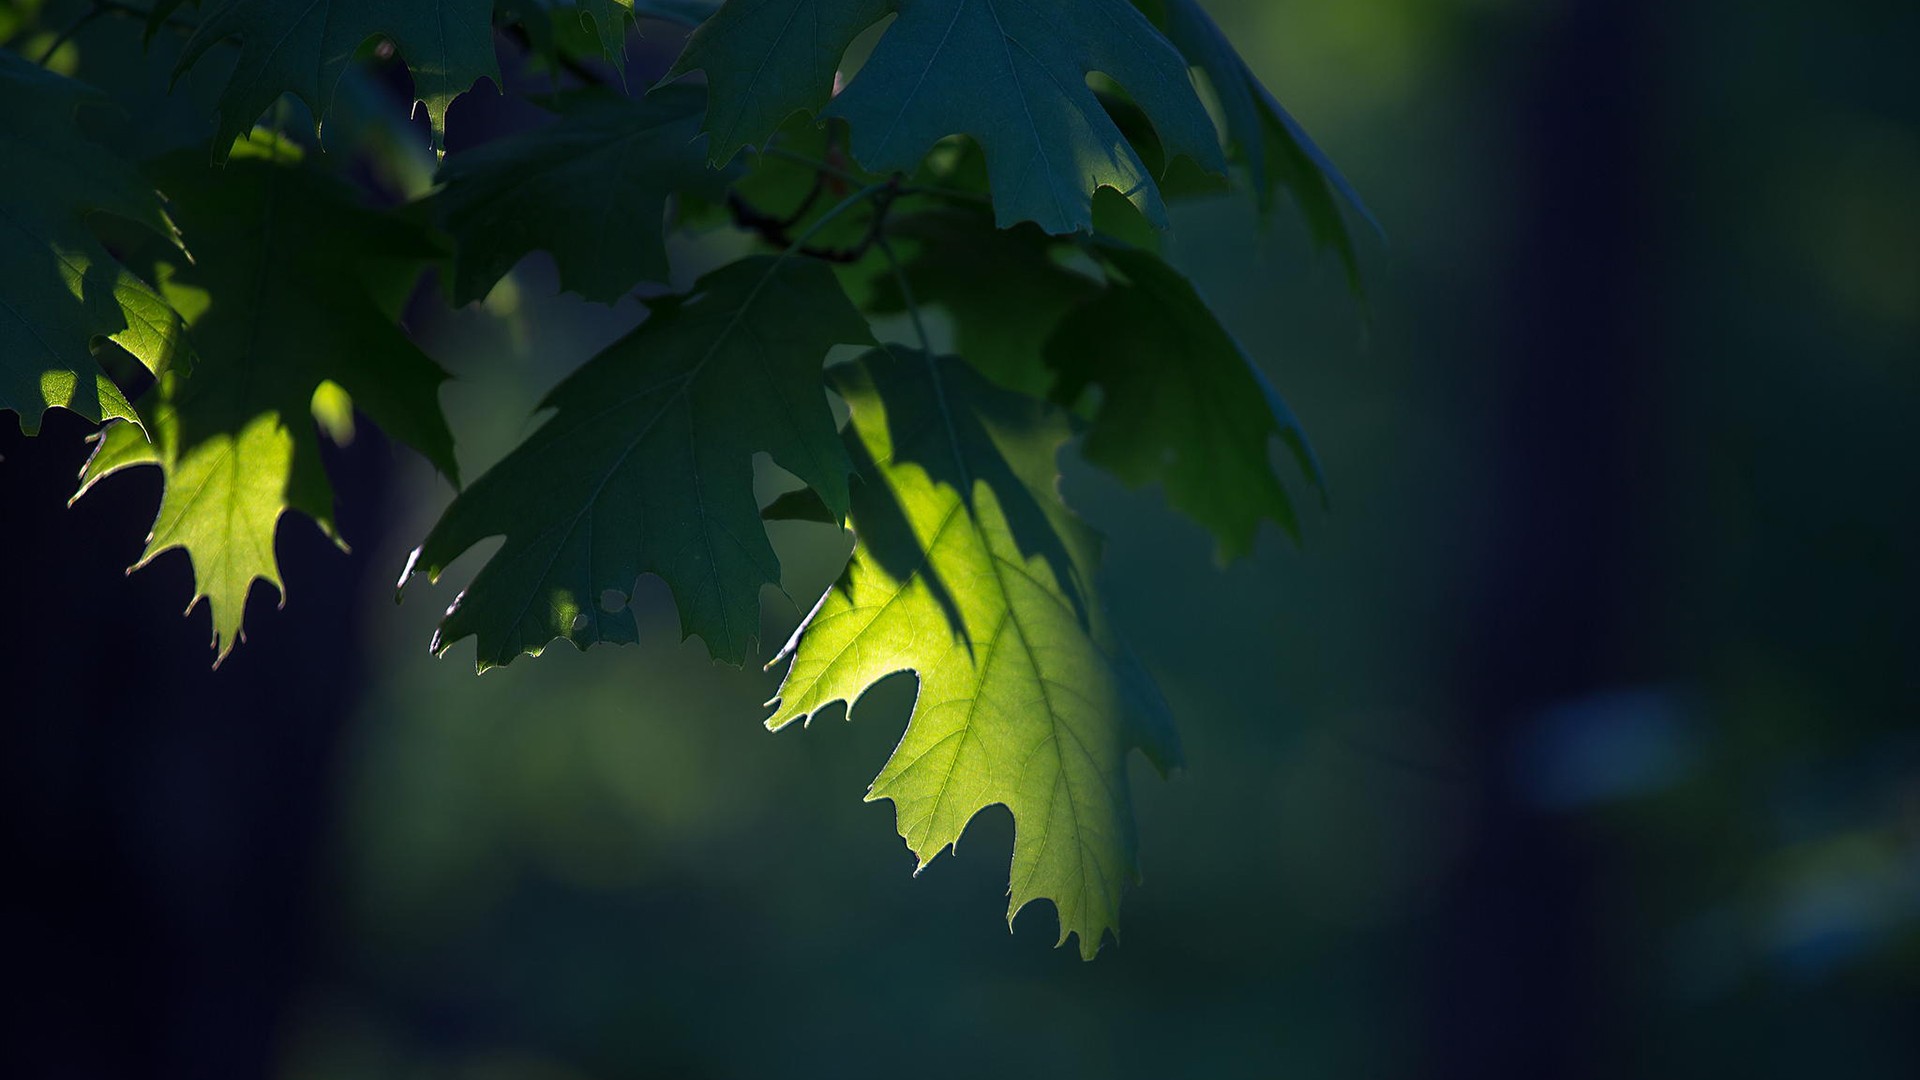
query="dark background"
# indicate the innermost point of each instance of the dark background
(1579, 739)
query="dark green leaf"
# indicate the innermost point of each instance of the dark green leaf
(607, 19)
(591, 188)
(1275, 149)
(1010, 74)
(646, 466)
(1002, 288)
(684, 12)
(1180, 402)
(302, 47)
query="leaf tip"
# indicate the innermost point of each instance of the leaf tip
(406, 574)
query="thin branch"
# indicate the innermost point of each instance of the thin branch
(821, 168)
(121, 10)
(872, 191)
(66, 35)
(847, 176)
(774, 229)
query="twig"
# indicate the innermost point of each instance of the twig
(774, 230)
(872, 191)
(828, 169)
(121, 10)
(66, 35)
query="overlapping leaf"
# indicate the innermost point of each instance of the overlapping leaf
(554, 27)
(1011, 74)
(279, 305)
(646, 466)
(591, 188)
(606, 19)
(1180, 401)
(302, 47)
(1002, 289)
(1275, 149)
(60, 290)
(972, 574)
(685, 12)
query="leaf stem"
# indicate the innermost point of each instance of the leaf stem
(66, 35)
(112, 7)
(906, 296)
(835, 211)
(774, 231)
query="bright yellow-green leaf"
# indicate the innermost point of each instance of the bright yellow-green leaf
(280, 308)
(971, 573)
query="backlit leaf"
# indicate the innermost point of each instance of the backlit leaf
(280, 301)
(972, 574)
(60, 290)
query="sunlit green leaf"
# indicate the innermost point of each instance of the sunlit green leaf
(971, 573)
(279, 304)
(60, 290)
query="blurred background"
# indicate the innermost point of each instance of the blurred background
(1580, 738)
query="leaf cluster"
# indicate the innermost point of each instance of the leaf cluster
(214, 225)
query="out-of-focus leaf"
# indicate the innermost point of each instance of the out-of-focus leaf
(1180, 402)
(684, 12)
(607, 18)
(302, 47)
(1274, 148)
